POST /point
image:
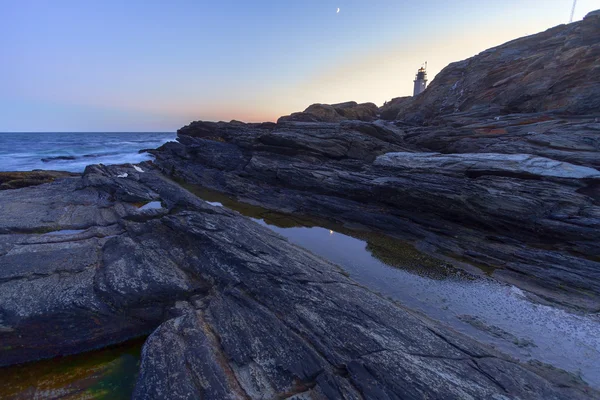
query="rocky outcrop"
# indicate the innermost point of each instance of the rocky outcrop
(394, 108)
(482, 164)
(334, 113)
(574, 140)
(556, 70)
(241, 313)
(495, 164)
(378, 175)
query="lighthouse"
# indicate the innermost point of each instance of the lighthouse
(420, 80)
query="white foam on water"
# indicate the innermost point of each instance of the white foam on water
(25, 151)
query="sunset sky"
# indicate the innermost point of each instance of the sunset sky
(157, 65)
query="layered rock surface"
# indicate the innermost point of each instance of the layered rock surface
(242, 312)
(534, 219)
(572, 139)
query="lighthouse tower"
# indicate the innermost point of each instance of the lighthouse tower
(420, 80)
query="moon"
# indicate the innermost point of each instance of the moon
(338, 11)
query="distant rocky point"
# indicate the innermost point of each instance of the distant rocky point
(334, 113)
(556, 70)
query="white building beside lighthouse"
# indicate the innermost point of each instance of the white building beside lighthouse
(420, 80)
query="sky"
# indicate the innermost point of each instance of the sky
(156, 65)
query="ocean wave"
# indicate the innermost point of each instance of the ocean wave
(74, 151)
(97, 155)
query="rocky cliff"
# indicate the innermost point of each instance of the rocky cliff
(556, 70)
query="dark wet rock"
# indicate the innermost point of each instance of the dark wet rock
(96, 155)
(58, 158)
(334, 113)
(240, 311)
(15, 180)
(555, 70)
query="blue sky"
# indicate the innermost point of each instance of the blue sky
(157, 65)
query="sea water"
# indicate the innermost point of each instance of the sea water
(73, 151)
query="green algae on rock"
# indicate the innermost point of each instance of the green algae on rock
(106, 374)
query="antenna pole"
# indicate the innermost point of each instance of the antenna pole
(573, 11)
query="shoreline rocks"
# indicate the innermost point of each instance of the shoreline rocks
(240, 311)
(478, 208)
(502, 172)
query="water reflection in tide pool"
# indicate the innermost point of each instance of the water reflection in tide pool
(480, 307)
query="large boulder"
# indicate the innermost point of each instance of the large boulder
(353, 111)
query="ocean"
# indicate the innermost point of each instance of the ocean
(73, 151)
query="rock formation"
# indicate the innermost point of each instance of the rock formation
(335, 113)
(517, 192)
(394, 108)
(239, 311)
(556, 70)
(542, 209)
(495, 165)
